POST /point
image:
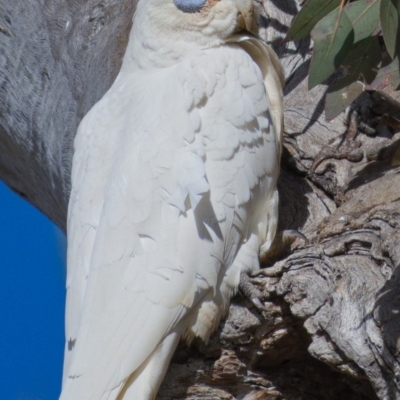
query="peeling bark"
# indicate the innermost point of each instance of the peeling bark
(331, 325)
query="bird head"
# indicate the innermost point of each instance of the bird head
(243, 9)
(213, 20)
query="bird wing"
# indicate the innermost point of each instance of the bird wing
(164, 170)
(273, 75)
(92, 163)
(131, 179)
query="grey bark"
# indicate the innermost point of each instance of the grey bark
(331, 325)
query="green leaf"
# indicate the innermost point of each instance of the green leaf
(333, 37)
(363, 59)
(364, 16)
(341, 95)
(309, 15)
(389, 16)
(388, 75)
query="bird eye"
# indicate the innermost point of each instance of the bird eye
(190, 6)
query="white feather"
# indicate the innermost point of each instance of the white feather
(174, 178)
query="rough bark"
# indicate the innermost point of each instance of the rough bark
(331, 325)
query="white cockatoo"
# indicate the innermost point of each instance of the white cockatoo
(173, 194)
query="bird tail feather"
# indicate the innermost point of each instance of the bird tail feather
(143, 384)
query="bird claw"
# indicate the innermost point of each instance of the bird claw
(290, 235)
(273, 271)
(283, 240)
(257, 302)
(251, 292)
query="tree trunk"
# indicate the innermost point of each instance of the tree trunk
(331, 328)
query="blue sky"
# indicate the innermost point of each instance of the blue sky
(32, 299)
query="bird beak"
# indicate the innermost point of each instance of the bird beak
(246, 14)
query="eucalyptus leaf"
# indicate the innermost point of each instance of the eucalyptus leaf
(333, 37)
(388, 75)
(310, 14)
(364, 16)
(389, 17)
(340, 96)
(363, 59)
